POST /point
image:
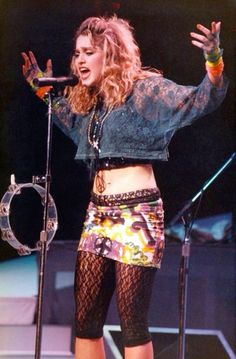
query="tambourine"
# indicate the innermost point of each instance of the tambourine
(5, 226)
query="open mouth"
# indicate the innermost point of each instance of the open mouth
(84, 73)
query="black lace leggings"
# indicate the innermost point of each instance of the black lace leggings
(95, 280)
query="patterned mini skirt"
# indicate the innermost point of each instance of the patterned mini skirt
(126, 227)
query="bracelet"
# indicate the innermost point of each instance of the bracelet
(214, 56)
(42, 91)
(215, 69)
(214, 64)
(37, 75)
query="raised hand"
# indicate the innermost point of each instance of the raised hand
(31, 69)
(209, 42)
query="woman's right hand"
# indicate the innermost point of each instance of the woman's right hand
(31, 69)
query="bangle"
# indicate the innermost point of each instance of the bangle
(214, 56)
(215, 69)
(214, 64)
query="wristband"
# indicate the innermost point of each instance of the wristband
(214, 56)
(31, 82)
(215, 69)
(42, 91)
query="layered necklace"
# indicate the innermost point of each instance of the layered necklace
(95, 128)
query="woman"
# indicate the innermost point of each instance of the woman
(122, 118)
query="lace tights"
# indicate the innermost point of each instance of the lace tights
(95, 280)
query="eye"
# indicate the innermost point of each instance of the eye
(89, 52)
(76, 54)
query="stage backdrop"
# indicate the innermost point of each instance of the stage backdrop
(162, 31)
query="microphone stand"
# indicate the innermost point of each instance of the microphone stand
(44, 233)
(184, 263)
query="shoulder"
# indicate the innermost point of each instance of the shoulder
(152, 84)
(149, 79)
(152, 87)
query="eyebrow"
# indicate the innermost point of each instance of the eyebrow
(84, 48)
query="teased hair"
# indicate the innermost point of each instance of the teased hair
(121, 68)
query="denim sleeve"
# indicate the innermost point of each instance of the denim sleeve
(65, 119)
(176, 106)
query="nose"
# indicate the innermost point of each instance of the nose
(81, 58)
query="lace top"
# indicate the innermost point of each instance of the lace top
(143, 126)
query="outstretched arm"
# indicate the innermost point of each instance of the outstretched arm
(209, 42)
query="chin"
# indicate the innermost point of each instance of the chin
(90, 82)
(87, 83)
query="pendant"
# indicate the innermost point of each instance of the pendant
(96, 145)
(100, 183)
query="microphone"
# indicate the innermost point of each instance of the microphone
(56, 81)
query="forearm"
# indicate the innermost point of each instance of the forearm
(215, 72)
(216, 80)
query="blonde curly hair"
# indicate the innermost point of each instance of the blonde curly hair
(121, 68)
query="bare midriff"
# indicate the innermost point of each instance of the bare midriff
(125, 179)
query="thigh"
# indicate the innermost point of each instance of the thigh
(94, 286)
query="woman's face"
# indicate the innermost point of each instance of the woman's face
(88, 60)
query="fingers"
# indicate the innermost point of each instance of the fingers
(198, 44)
(209, 39)
(215, 27)
(204, 29)
(49, 64)
(26, 64)
(30, 67)
(30, 63)
(201, 38)
(25, 56)
(29, 59)
(48, 71)
(32, 58)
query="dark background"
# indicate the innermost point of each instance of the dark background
(162, 30)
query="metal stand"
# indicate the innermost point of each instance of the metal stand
(44, 233)
(183, 290)
(184, 264)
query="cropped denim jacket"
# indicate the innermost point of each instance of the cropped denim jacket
(143, 126)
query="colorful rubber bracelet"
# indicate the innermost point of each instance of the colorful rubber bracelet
(42, 91)
(214, 56)
(214, 64)
(217, 69)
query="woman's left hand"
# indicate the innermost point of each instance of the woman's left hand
(210, 40)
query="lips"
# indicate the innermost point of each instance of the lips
(84, 72)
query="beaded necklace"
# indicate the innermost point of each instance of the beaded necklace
(95, 127)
